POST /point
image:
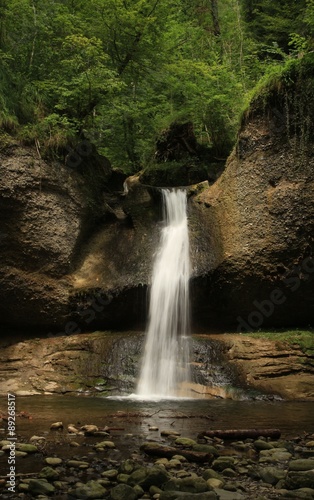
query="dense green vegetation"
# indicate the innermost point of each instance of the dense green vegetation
(121, 71)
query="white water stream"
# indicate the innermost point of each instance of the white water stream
(165, 364)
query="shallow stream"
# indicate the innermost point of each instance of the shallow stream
(133, 418)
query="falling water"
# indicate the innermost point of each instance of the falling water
(165, 363)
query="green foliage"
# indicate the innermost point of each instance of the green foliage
(121, 72)
(303, 339)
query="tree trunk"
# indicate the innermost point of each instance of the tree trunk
(242, 433)
(158, 450)
(215, 17)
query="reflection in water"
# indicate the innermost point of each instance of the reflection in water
(290, 417)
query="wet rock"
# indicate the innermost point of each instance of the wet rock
(213, 483)
(223, 463)
(27, 448)
(302, 479)
(260, 444)
(187, 485)
(123, 492)
(37, 439)
(49, 473)
(110, 474)
(105, 444)
(301, 464)
(211, 473)
(56, 426)
(302, 493)
(271, 475)
(123, 478)
(90, 491)
(72, 429)
(21, 454)
(186, 442)
(228, 472)
(40, 487)
(179, 495)
(228, 495)
(89, 429)
(206, 448)
(274, 455)
(53, 461)
(127, 467)
(170, 432)
(147, 477)
(78, 463)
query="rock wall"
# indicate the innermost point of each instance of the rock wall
(262, 211)
(76, 254)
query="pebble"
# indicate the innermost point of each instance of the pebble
(257, 469)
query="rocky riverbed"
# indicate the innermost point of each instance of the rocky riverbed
(161, 465)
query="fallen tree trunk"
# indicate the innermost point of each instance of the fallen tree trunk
(242, 433)
(158, 450)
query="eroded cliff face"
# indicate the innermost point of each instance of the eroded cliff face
(262, 209)
(76, 253)
(47, 212)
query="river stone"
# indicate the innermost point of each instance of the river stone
(302, 493)
(36, 439)
(180, 495)
(301, 464)
(27, 448)
(40, 487)
(154, 490)
(260, 444)
(211, 473)
(274, 455)
(78, 463)
(223, 463)
(180, 457)
(188, 443)
(105, 444)
(123, 492)
(187, 484)
(123, 478)
(310, 444)
(110, 474)
(302, 479)
(206, 448)
(183, 473)
(228, 472)
(138, 490)
(53, 461)
(127, 467)
(147, 477)
(91, 490)
(167, 433)
(173, 464)
(23, 487)
(228, 495)
(4, 442)
(21, 454)
(271, 475)
(213, 483)
(49, 473)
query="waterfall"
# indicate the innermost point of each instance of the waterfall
(165, 362)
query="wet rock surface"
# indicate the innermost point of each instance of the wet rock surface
(223, 366)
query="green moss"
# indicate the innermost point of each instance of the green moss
(303, 339)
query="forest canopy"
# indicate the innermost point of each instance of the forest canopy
(119, 72)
